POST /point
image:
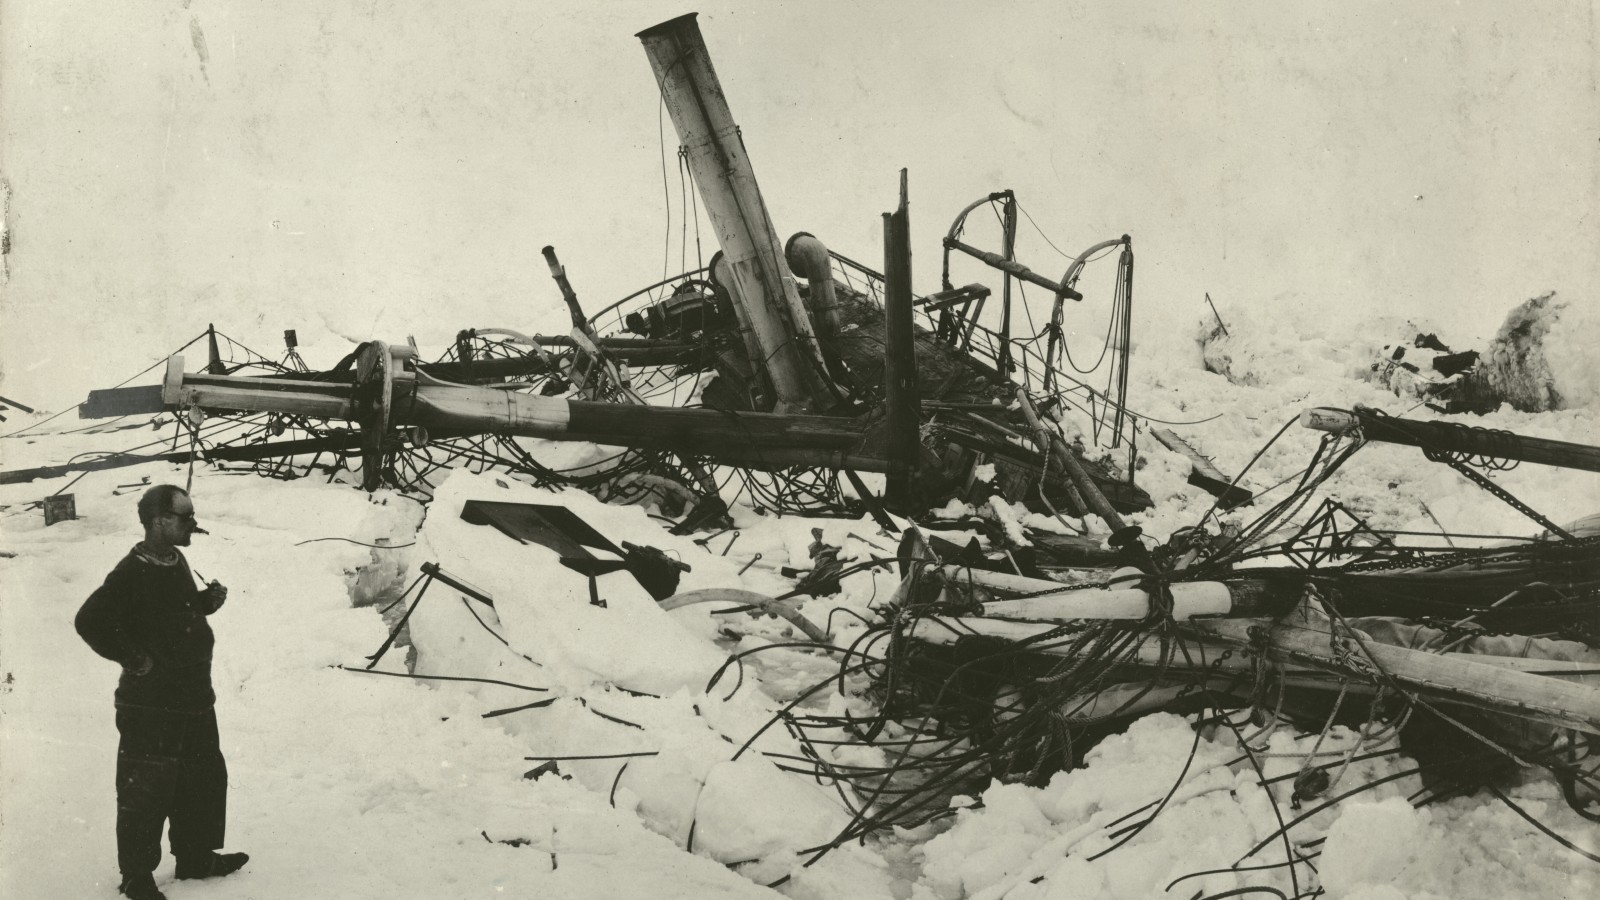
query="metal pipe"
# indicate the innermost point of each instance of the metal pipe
(1015, 268)
(809, 258)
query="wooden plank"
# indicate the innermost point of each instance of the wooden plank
(6, 401)
(1203, 473)
(946, 299)
(129, 401)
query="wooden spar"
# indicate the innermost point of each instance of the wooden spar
(129, 401)
(758, 440)
(276, 450)
(901, 393)
(726, 181)
(1022, 584)
(1206, 648)
(1484, 682)
(1451, 438)
(1207, 652)
(1116, 599)
(245, 394)
(1520, 694)
(1189, 599)
(110, 402)
(1056, 446)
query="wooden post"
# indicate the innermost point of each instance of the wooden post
(901, 391)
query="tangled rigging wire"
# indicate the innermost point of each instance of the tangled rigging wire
(956, 711)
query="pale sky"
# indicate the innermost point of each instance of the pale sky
(387, 170)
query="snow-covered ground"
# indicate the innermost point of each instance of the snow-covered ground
(350, 784)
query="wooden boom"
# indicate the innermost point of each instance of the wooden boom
(752, 439)
(1447, 437)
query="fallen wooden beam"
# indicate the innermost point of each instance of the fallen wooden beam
(1203, 473)
(1493, 683)
(1448, 437)
(129, 401)
(757, 440)
(1458, 676)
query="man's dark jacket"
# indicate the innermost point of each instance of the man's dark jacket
(151, 618)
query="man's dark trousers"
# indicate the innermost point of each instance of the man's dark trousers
(169, 768)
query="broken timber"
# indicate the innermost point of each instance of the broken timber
(833, 350)
(1203, 473)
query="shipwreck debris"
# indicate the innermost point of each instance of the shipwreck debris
(1002, 660)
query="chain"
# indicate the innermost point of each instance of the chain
(1484, 482)
(1533, 551)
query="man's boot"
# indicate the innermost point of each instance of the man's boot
(210, 864)
(140, 887)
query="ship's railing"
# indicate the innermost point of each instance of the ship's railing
(660, 384)
(1028, 364)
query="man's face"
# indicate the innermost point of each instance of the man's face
(176, 526)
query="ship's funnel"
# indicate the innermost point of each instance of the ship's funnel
(722, 172)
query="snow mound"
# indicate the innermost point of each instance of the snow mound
(1541, 359)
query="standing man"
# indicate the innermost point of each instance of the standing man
(151, 618)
